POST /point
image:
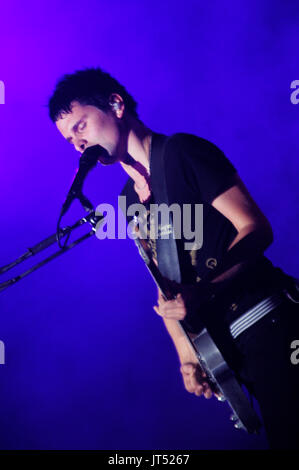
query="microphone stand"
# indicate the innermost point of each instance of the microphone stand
(87, 161)
(92, 218)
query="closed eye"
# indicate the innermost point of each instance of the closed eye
(78, 127)
(81, 126)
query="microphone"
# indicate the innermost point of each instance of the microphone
(87, 161)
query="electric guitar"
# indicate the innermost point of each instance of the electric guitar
(220, 377)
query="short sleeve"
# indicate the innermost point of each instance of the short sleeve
(210, 172)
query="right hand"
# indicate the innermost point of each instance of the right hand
(195, 380)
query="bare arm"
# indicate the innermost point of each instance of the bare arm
(193, 376)
(185, 351)
(254, 230)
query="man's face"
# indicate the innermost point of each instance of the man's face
(87, 125)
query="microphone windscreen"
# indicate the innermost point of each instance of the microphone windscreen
(92, 154)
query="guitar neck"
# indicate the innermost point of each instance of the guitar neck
(153, 269)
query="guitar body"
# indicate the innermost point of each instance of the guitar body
(225, 382)
(291, 289)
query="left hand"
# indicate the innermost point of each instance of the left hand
(188, 298)
(175, 309)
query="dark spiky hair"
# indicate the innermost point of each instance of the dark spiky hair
(91, 86)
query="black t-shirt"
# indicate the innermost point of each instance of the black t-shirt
(196, 172)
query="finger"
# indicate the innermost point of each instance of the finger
(177, 301)
(200, 384)
(173, 311)
(156, 308)
(197, 386)
(198, 391)
(161, 300)
(191, 383)
(208, 393)
(175, 314)
(187, 368)
(193, 379)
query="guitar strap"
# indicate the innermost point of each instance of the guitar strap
(167, 253)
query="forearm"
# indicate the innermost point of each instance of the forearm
(182, 344)
(195, 379)
(247, 246)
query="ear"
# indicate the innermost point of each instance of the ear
(117, 105)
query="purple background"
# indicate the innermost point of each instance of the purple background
(89, 364)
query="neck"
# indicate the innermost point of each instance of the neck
(136, 161)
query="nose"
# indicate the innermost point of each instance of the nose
(80, 145)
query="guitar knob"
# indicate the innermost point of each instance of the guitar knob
(221, 398)
(238, 425)
(233, 417)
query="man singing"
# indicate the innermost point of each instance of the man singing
(259, 309)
